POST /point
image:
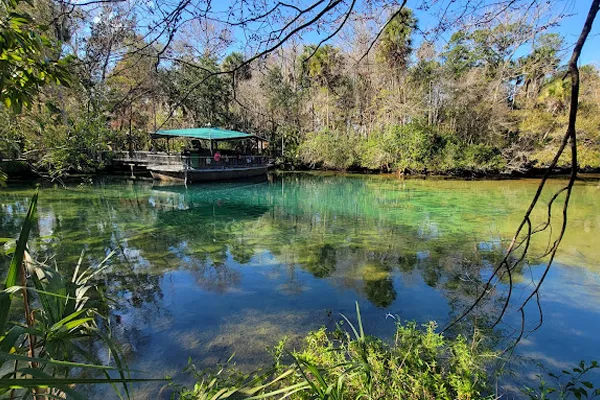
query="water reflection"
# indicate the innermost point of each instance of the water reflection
(215, 269)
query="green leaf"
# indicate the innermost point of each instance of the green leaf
(17, 357)
(60, 324)
(78, 322)
(58, 382)
(42, 380)
(17, 260)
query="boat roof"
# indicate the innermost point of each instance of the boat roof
(205, 133)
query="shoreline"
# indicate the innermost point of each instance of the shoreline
(19, 172)
(82, 177)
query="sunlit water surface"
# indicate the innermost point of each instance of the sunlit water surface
(218, 269)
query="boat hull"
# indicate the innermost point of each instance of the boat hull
(206, 175)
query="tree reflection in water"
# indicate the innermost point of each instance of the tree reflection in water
(318, 238)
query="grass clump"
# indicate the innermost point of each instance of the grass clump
(418, 363)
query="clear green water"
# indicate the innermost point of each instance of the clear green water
(227, 268)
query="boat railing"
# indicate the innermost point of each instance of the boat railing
(196, 161)
(225, 161)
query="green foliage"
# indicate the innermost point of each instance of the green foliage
(543, 125)
(28, 57)
(417, 364)
(413, 147)
(235, 62)
(477, 158)
(541, 62)
(204, 94)
(395, 43)
(482, 48)
(330, 149)
(321, 64)
(225, 383)
(77, 146)
(408, 147)
(569, 384)
(63, 316)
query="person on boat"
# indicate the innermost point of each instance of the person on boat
(217, 156)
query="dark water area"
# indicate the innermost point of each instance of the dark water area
(216, 269)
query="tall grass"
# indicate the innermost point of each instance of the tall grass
(47, 323)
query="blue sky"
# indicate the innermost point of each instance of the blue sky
(569, 28)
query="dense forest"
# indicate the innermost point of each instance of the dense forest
(490, 98)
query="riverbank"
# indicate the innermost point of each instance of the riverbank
(21, 171)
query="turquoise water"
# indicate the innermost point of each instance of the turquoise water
(218, 269)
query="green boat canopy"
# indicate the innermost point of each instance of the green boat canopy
(204, 133)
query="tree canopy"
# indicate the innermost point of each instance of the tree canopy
(377, 92)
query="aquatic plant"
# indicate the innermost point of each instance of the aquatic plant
(53, 327)
(568, 384)
(349, 364)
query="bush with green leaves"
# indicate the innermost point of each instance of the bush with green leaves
(413, 147)
(29, 59)
(416, 147)
(330, 149)
(478, 158)
(77, 146)
(418, 363)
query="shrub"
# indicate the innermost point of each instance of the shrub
(568, 384)
(330, 149)
(418, 364)
(474, 157)
(413, 147)
(417, 146)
